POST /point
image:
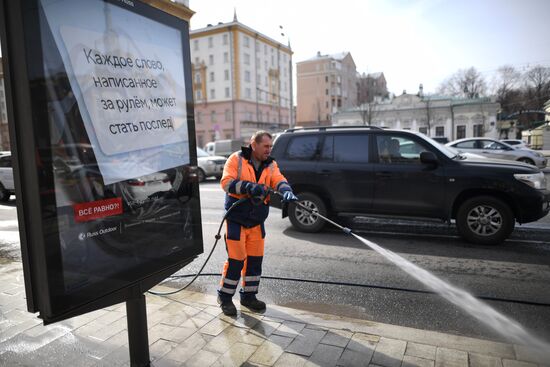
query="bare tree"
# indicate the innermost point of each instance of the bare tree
(368, 112)
(538, 86)
(429, 114)
(468, 83)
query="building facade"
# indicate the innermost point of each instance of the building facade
(4, 131)
(242, 82)
(371, 86)
(431, 115)
(325, 85)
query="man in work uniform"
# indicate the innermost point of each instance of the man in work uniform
(246, 175)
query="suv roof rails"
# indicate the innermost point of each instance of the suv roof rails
(324, 128)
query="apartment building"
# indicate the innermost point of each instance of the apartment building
(370, 87)
(325, 85)
(242, 82)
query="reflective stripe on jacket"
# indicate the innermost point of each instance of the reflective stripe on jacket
(237, 172)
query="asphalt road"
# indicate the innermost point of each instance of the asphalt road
(518, 271)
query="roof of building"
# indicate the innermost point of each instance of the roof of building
(336, 56)
(235, 23)
(375, 75)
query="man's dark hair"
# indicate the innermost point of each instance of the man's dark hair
(259, 135)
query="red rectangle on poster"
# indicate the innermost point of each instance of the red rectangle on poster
(85, 212)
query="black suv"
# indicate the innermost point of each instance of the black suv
(361, 170)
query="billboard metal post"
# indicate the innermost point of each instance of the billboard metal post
(138, 340)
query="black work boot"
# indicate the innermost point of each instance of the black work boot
(227, 306)
(252, 303)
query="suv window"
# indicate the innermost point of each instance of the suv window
(398, 150)
(302, 147)
(351, 148)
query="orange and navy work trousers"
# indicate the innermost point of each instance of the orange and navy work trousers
(245, 249)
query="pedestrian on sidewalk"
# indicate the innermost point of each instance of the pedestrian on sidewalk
(248, 174)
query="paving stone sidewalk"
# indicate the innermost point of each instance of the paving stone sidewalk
(188, 329)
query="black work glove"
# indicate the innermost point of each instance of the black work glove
(254, 189)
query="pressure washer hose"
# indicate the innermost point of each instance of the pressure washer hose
(256, 201)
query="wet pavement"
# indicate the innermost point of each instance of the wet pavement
(188, 329)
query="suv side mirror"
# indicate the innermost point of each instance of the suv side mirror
(428, 158)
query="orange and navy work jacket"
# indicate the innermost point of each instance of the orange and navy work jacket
(238, 174)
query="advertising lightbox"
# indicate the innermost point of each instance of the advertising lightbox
(105, 150)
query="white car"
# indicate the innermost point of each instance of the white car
(209, 165)
(7, 186)
(495, 149)
(516, 143)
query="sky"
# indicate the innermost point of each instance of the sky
(412, 42)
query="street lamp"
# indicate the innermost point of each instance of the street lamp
(291, 99)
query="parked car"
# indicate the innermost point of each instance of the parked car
(7, 185)
(516, 143)
(495, 149)
(441, 139)
(353, 171)
(209, 165)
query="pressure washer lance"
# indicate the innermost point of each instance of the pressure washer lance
(255, 201)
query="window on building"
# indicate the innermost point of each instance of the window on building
(461, 131)
(284, 86)
(227, 93)
(265, 49)
(196, 45)
(326, 92)
(265, 65)
(225, 39)
(213, 116)
(210, 42)
(272, 60)
(478, 130)
(246, 59)
(197, 61)
(247, 76)
(227, 115)
(246, 41)
(248, 93)
(266, 83)
(326, 104)
(257, 61)
(226, 74)
(200, 140)
(199, 95)
(440, 131)
(197, 77)
(423, 130)
(199, 117)
(225, 57)
(260, 116)
(212, 94)
(326, 79)
(211, 76)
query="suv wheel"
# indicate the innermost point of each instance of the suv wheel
(303, 220)
(527, 160)
(4, 194)
(485, 220)
(201, 175)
